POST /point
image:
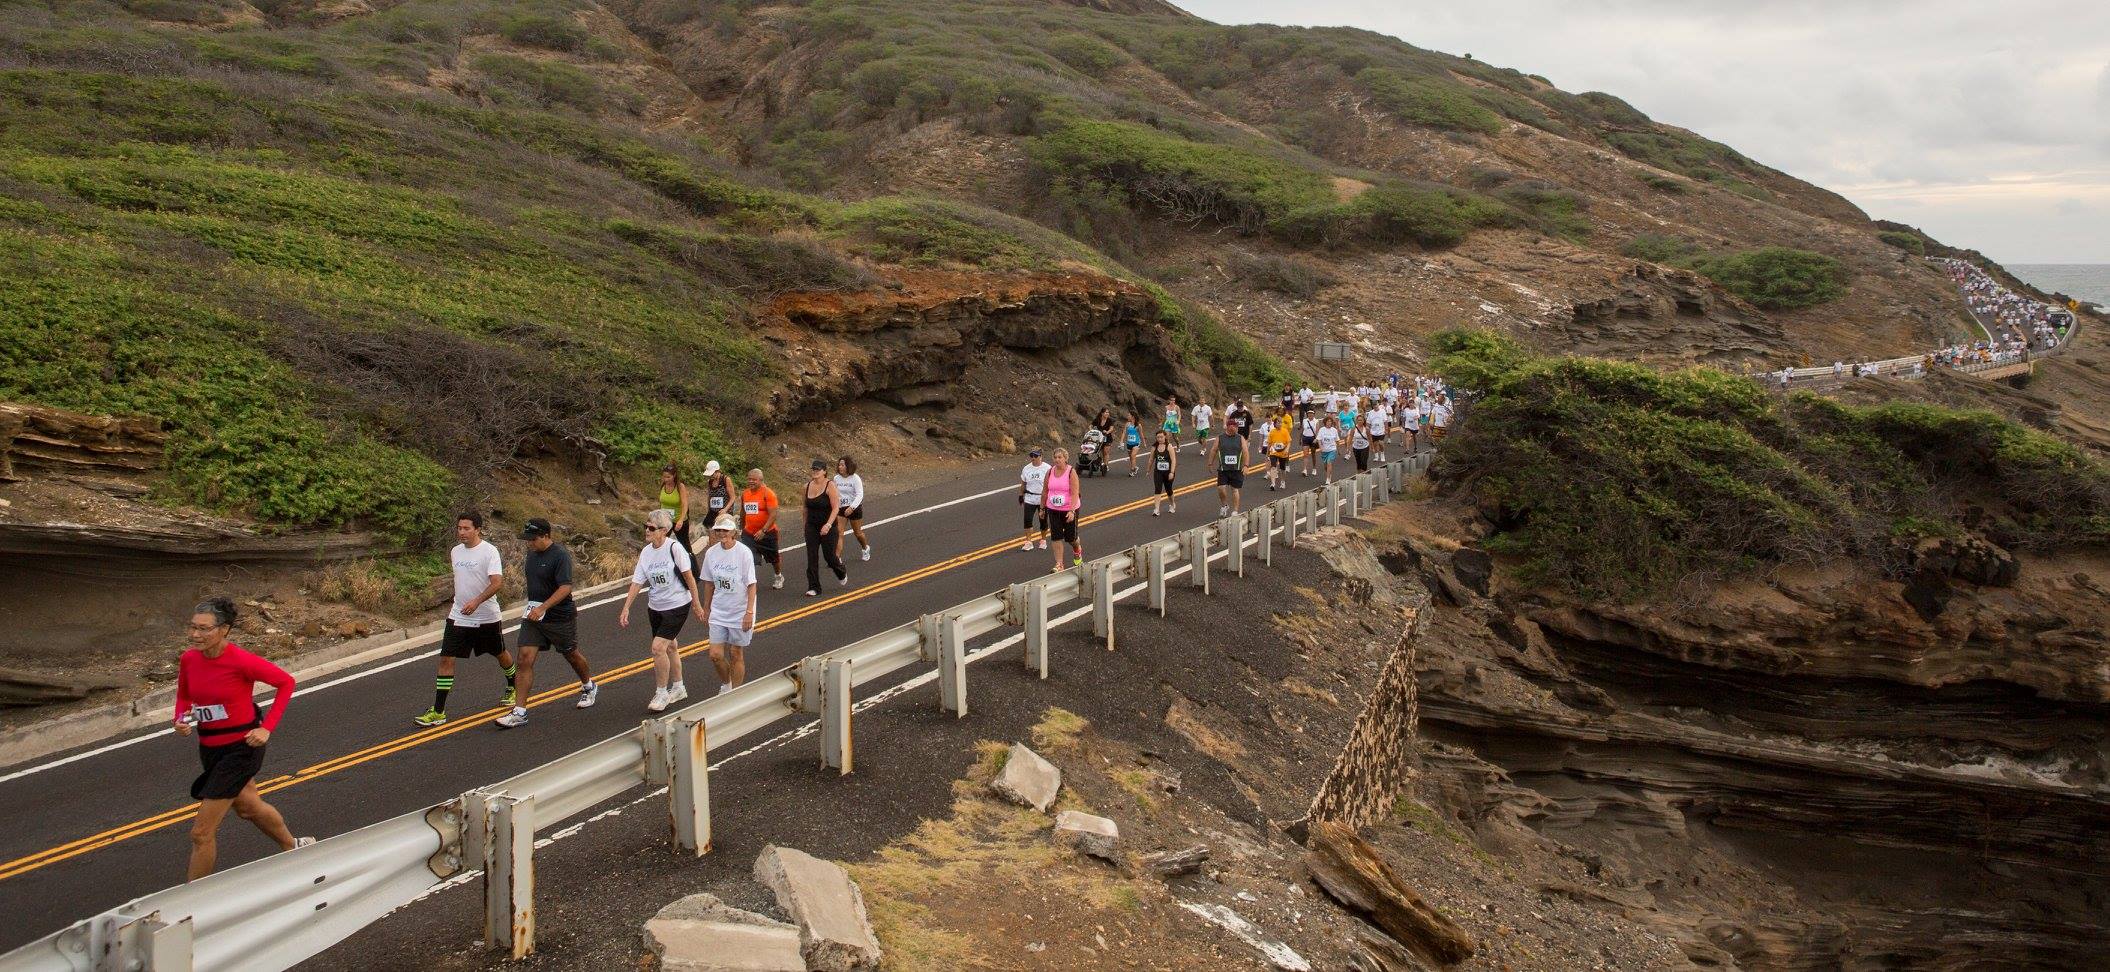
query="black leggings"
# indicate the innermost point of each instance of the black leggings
(818, 545)
(1161, 482)
(1362, 459)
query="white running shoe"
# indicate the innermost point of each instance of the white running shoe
(1223, 511)
(1043, 545)
(777, 584)
(866, 554)
(844, 580)
(677, 692)
(658, 703)
(724, 688)
(813, 592)
(1028, 545)
(513, 719)
(589, 695)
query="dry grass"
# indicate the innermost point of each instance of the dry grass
(1141, 784)
(359, 585)
(1059, 729)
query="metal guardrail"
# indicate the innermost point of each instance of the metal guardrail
(278, 911)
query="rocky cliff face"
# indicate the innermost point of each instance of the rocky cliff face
(940, 339)
(1813, 772)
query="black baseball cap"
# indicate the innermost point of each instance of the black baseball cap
(537, 527)
(1033, 451)
(820, 464)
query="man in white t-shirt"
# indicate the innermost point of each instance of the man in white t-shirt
(1379, 420)
(1203, 414)
(472, 626)
(1032, 482)
(729, 593)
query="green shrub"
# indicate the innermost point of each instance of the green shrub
(1778, 277)
(1662, 183)
(548, 33)
(654, 433)
(1287, 275)
(1661, 248)
(1088, 54)
(1611, 480)
(1907, 242)
(1428, 101)
(1554, 209)
(545, 83)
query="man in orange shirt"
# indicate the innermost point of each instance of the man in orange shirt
(758, 523)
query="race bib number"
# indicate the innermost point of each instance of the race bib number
(532, 605)
(717, 502)
(209, 713)
(724, 582)
(751, 508)
(1230, 461)
(1164, 465)
(659, 577)
(1058, 502)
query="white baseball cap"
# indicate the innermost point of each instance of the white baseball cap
(710, 468)
(725, 522)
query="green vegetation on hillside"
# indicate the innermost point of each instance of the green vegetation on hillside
(1614, 480)
(1428, 101)
(1689, 155)
(1771, 277)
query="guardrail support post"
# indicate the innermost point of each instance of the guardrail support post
(1197, 542)
(1101, 578)
(659, 752)
(170, 947)
(952, 666)
(1289, 521)
(1332, 498)
(1264, 532)
(1233, 533)
(1033, 615)
(143, 943)
(689, 785)
(835, 715)
(509, 873)
(1351, 496)
(1155, 559)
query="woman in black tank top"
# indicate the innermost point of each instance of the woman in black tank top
(822, 502)
(1164, 465)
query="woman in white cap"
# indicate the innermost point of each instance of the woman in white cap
(729, 592)
(718, 492)
(664, 568)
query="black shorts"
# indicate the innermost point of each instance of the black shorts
(1161, 482)
(228, 769)
(851, 513)
(1278, 462)
(667, 624)
(1234, 478)
(1309, 441)
(1062, 525)
(457, 641)
(766, 544)
(561, 635)
(1033, 511)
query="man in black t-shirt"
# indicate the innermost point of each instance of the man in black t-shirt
(552, 618)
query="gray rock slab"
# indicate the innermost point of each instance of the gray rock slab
(700, 933)
(1096, 836)
(1028, 779)
(834, 933)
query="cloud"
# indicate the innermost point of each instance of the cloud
(1906, 108)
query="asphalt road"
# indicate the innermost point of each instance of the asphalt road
(99, 826)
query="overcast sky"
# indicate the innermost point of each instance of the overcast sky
(1985, 123)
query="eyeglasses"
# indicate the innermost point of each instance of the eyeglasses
(205, 627)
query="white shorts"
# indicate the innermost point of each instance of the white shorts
(723, 635)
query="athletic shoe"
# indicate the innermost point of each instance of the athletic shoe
(724, 688)
(677, 692)
(1076, 561)
(432, 717)
(844, 580)
(589, 695)
(510, 697)
(1043, 545)
(513, 719)
(658, 703)
(778, 584)
(813, 592)
(866, 554)
(1223, 511)
(1028, 545)
(1156, 513)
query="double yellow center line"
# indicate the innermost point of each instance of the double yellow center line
(23, 865)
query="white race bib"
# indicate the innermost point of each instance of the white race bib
(751, 508)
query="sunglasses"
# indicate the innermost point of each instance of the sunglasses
(654, 529)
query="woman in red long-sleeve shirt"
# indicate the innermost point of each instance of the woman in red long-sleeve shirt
(215, 698)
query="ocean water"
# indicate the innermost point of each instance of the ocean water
(2090, 282)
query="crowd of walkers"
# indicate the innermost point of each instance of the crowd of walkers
(2017, 327)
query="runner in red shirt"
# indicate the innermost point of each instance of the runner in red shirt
(215, 699)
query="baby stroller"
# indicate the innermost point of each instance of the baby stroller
(1091, 456)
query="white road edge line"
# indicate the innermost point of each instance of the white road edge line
(376, 670)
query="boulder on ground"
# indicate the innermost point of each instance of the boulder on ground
(700, 933)
(1028, 779)
(1096, 836)
(834, 933)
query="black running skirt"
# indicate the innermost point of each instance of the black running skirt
(228, 769)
